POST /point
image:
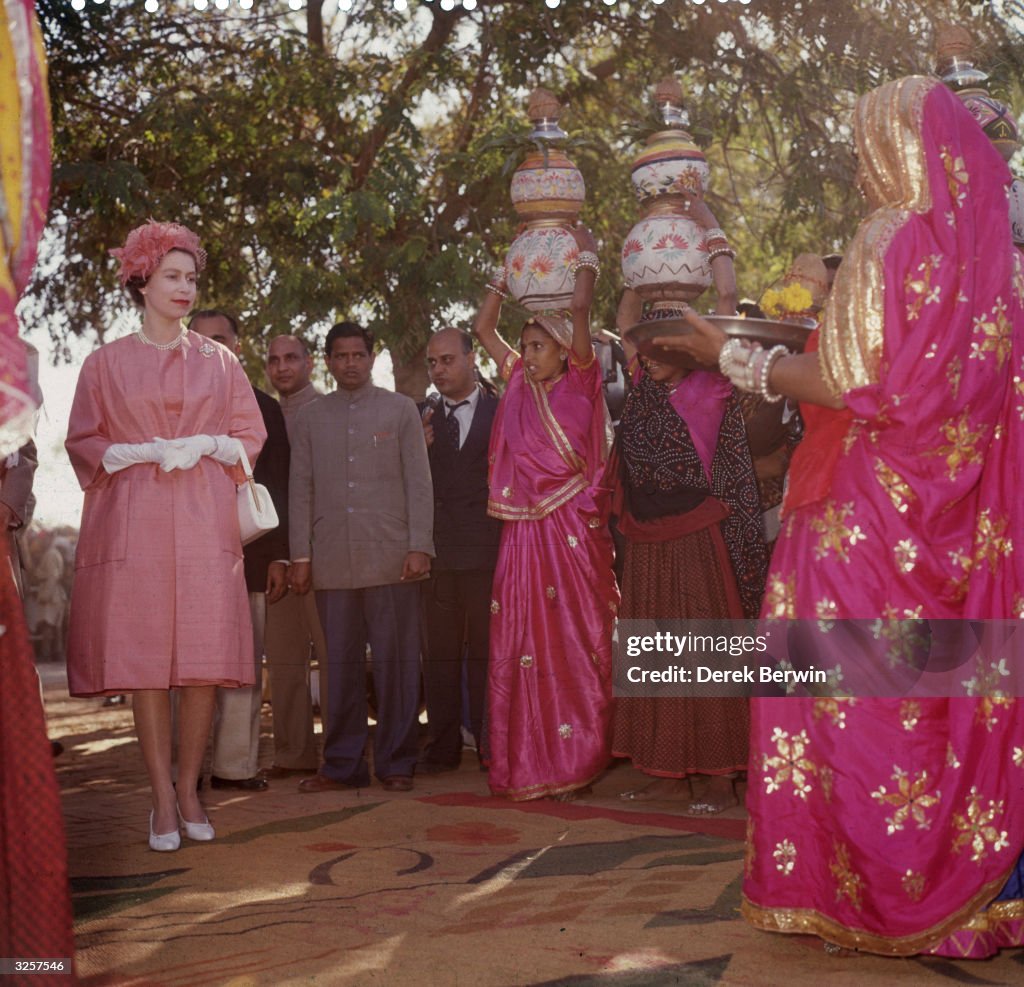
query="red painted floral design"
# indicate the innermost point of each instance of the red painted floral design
(671, 241)
(541, 265)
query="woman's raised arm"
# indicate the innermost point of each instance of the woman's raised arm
(722, 269)
(485, 325)
(631, 308)
(586, 268)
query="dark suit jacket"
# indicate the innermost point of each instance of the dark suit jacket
(464, 536)
(271, 470)
(16, 483)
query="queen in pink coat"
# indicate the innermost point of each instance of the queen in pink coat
(159, 599)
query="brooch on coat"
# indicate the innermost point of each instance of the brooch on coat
(206, 348)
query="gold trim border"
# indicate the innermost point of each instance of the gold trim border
(808, 921)
(565, 493)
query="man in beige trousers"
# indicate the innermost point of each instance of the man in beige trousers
(292, 623)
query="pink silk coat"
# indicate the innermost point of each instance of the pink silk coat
(891, 825)
(159, 597)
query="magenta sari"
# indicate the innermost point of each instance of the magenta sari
(892, 825)
(554, 597)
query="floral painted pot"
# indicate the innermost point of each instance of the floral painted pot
(552, 192)
(1017, 211)
(671, 164)
(995, 118)
(665, 258)
(537, 268)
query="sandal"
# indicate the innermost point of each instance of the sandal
(659, 789)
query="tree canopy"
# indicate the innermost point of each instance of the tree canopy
(345, 165)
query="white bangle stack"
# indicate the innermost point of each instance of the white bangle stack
(736, 361)
(764, 370)
(717, 244)
(587, 259)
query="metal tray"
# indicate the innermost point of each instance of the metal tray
(767, 332)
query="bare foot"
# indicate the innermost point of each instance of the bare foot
(719, 794)
(660, 788)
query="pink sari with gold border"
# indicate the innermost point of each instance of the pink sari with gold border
(892, 825)
(554, 597)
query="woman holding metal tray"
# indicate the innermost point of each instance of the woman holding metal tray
(892, 825)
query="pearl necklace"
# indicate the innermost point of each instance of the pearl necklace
(173, 344)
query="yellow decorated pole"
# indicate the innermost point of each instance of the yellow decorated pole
(24, 192)
(35, 906)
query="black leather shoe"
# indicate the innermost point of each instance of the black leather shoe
(254, 784)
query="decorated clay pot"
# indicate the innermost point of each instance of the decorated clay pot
(551, 190)
(670, 164)
(995, 118)
(1017, 211)
(548, 193)
(665, 258)
(537, 267)
(955, 66)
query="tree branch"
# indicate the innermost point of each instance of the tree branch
(440, 31)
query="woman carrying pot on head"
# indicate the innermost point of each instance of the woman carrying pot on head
(688, 506)
(159, 600)
(554, 596)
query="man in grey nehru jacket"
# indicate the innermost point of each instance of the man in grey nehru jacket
(361, 513)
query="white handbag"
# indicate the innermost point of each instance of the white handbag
(256, 512)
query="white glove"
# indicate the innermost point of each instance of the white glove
(183, 453)
(121, 455)
(228, 451)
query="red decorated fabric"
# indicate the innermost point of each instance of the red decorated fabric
(35, 904)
